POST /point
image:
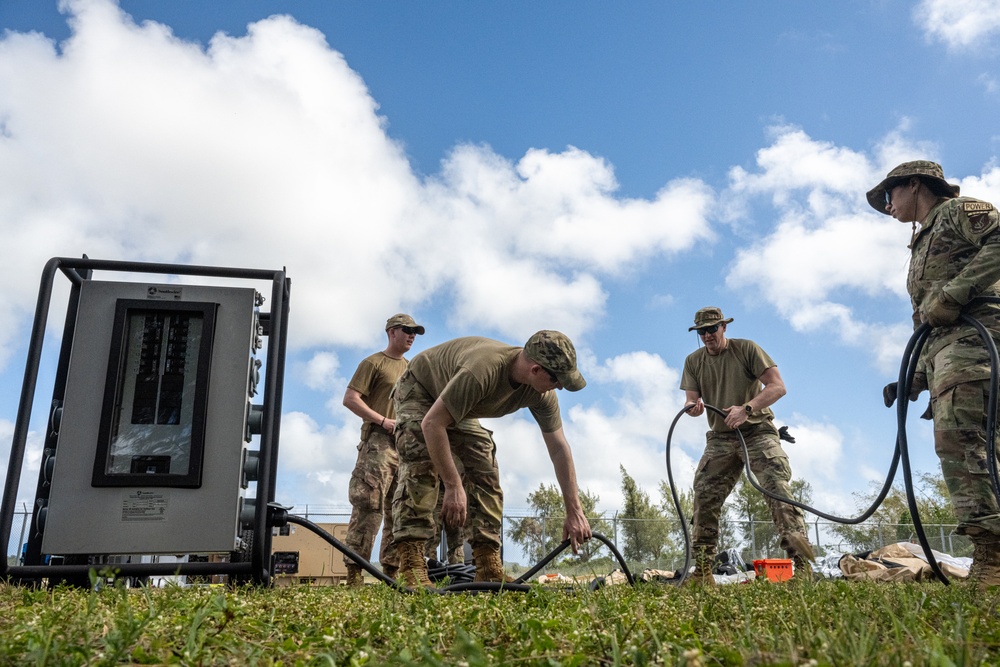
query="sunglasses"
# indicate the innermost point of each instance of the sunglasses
(409, 331)
(888, 191)
(552, 375)
(709, 330)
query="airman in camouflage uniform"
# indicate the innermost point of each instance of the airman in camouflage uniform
(727, 373)
(373, 481)
(955, 257)
(439, 401)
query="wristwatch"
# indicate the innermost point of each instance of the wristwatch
(748, 409)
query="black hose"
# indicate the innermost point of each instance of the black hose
(456, 572)
(991, 409)
(464, 586)
(677, 502)
(562, 547)
(902, 400)
(340, 546)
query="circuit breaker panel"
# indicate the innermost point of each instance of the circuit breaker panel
(153, 431)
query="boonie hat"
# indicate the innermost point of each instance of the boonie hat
(924, 168)
(706, 317)
(403, 320)
(554, 352)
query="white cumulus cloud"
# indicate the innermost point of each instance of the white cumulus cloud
(266, 150)
(960, 24)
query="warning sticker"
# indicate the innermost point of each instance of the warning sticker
(144, 505)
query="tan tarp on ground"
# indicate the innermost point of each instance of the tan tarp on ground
(896, 562)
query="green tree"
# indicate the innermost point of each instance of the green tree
(645, 530)
(674, 546)
(541, 533)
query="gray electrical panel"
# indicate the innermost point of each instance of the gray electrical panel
(154, 429)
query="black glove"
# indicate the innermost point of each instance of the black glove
(783, 435)
(928, 413)
(890, 390)
(889, 394)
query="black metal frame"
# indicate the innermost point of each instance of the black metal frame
(77, 271)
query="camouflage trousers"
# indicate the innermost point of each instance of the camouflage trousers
(719, 470)
(373, 484)
(419, 488)
(960, 443)
(455, 538)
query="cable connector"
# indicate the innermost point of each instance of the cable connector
(277, 515)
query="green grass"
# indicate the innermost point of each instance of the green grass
(823, 623)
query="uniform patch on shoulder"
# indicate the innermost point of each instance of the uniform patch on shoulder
(978, 223)
(977, 206)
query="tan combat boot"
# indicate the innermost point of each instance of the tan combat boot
(704, 563)
(489, 566)
(985, 570)
(412, 566)
(354, 576)
(802, 555)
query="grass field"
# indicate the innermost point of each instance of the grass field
(794, 623)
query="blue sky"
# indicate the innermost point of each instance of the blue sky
(498, 168)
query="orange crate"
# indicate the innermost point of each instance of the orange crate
(775, 569)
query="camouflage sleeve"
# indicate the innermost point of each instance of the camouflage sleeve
(978, 223)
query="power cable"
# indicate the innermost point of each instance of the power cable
(280, 517)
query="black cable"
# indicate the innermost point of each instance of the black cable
(991, 409)
(562, 547)
(677, 502)
(340, 546)
(465, 586)
(454, 572)
(902, 401)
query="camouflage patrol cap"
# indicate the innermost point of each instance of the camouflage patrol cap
(708, 316)
(924, 168)
(554, 352)
(403, 320)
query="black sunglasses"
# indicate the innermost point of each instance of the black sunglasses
(709, 330)
(409, 331)
(552, 375)
(889, 188)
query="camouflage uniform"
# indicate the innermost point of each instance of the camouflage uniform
(372, 486)
(471, 377)
(957, 252)
(719, 470)
(731, 378)
(418, 489)
(373, 481)
(955, 258)
(456, 538)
